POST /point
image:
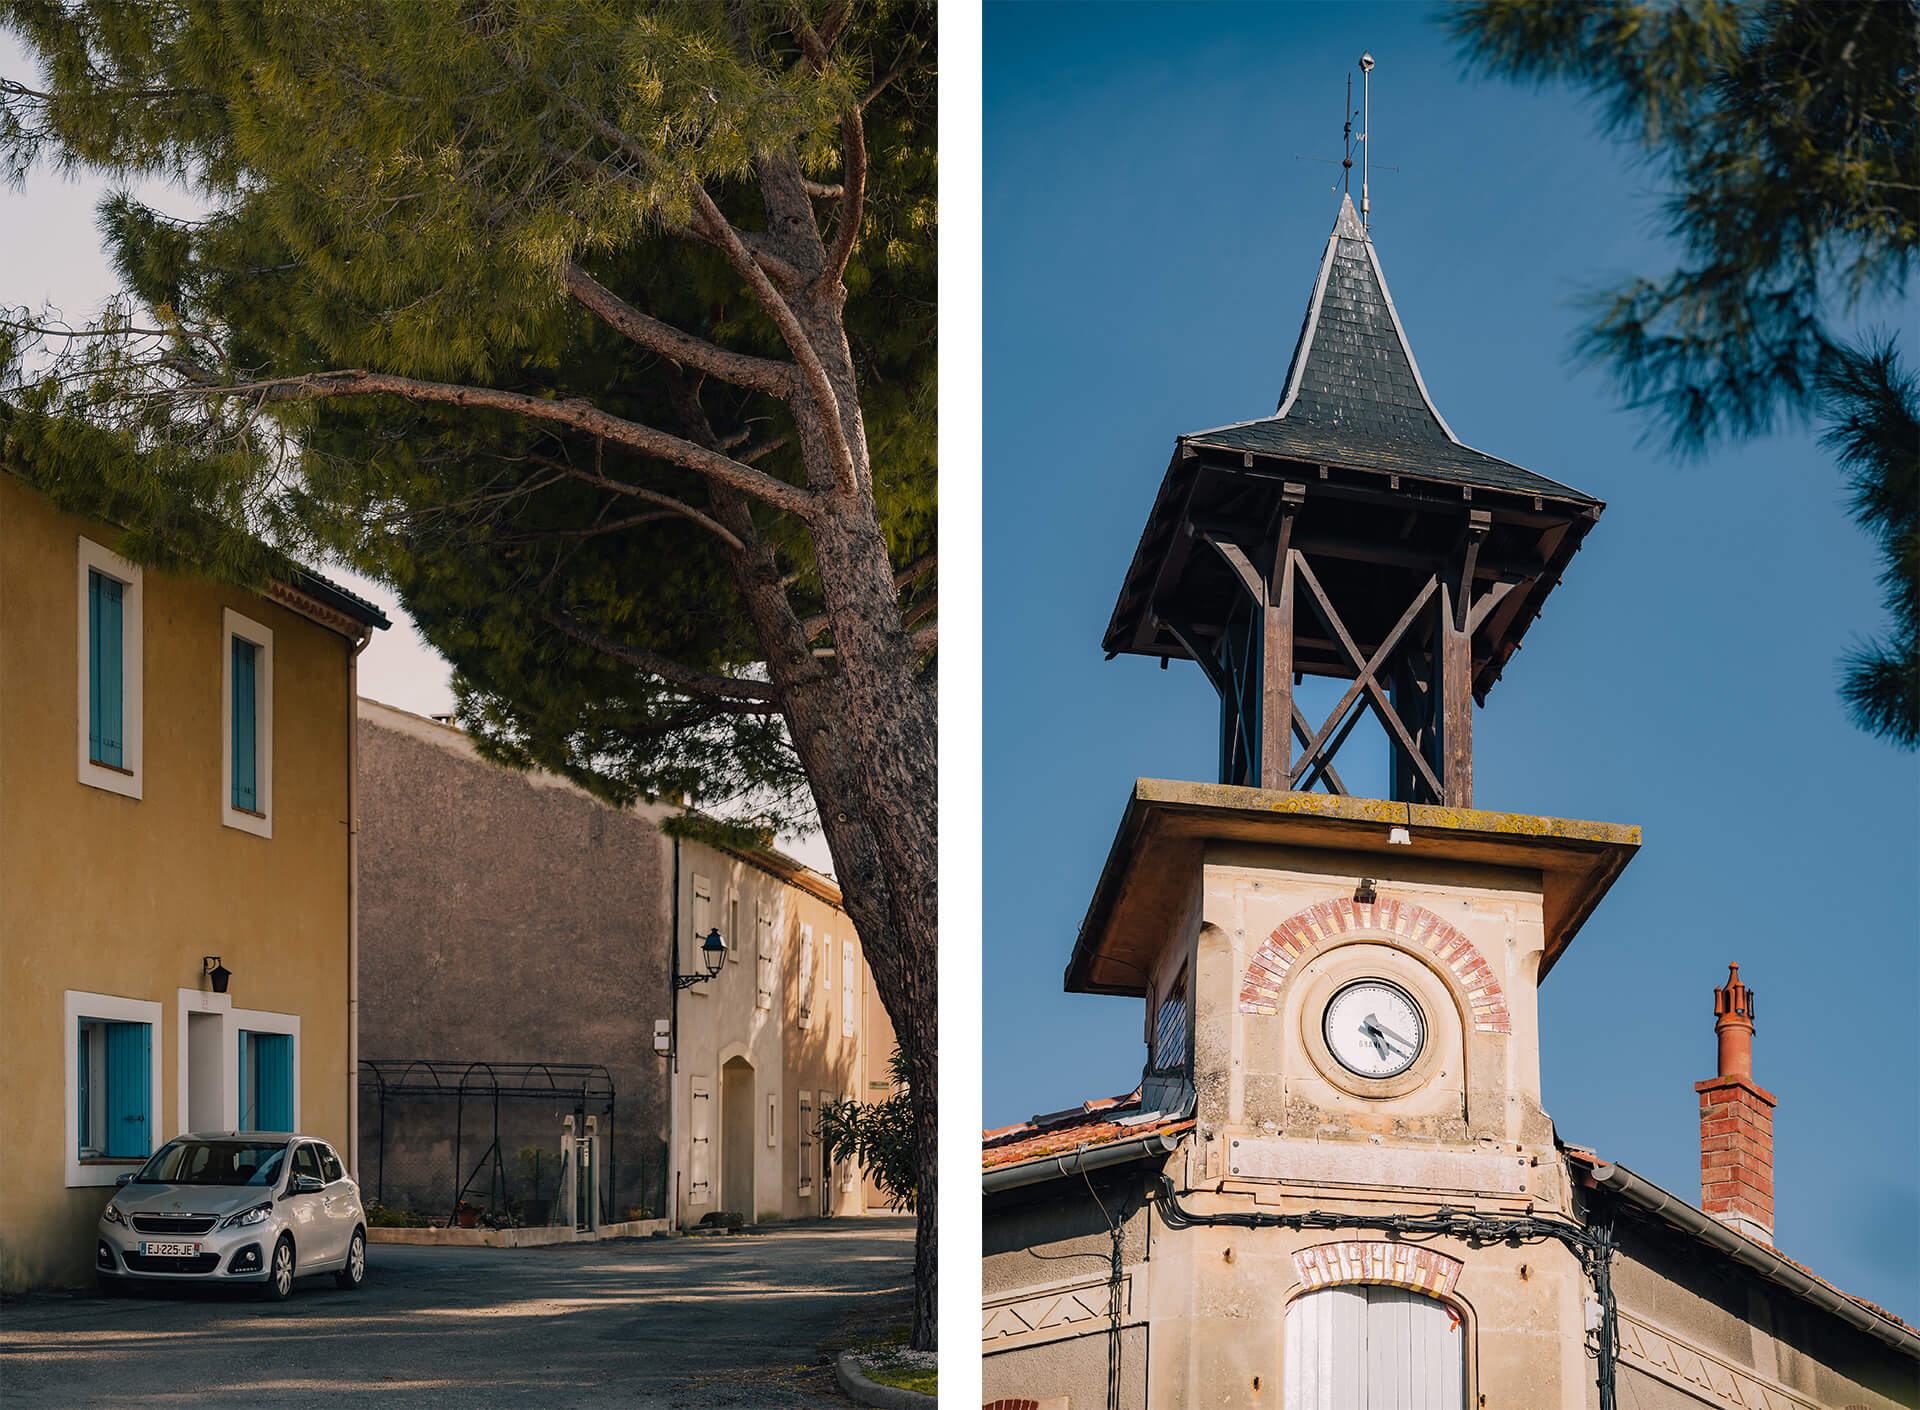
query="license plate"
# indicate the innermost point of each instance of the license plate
(169, 1250)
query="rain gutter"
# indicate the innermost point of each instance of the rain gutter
(1646, 1195)
(1157, 1145)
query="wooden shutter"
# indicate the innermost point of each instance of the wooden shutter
(129, 1093)
(849, 989)
(806, 976)
(768, 951)
(805, 1144)
(106, 688)
(273, 1076)
(1366, 1346)
(246, 794)
(700, 1190)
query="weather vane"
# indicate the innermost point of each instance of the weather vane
(1348, 139)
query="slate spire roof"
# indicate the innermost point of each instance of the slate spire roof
(1354, 394)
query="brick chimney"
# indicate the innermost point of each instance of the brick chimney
(1736, 1123)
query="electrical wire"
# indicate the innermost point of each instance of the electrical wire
(1593, 1245)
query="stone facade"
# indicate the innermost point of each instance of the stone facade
(512, 916)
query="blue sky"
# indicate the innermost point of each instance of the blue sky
(1150, 243)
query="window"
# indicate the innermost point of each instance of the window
(768, 948)
(306, 1162)
(773, 1120)
(266, 1081)
(330, 1168)
(702, 917)
(109, 670)
(734, 938)
(805, 1144)
(247, 756)
(849, 988)
(1371, 1346)
(848, 1170)
(112, 1085)
(1170, 1028)
(806, 976)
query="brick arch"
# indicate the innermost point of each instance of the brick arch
(1419, 1269)
(1416, 927)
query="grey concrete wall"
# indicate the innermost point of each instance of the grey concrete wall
(509, 917)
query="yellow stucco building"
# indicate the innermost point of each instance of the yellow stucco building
(176, 787)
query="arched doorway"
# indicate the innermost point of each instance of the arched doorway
(1370, 1346)
(736, 1137)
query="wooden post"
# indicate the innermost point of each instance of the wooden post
(1276, 660)
(1454, 644)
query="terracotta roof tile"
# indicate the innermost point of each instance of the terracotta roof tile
(1094, 1123)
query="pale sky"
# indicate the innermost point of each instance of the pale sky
(51, 256)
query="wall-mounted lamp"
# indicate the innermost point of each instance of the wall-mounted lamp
(217, 972)
(713, 954)
(1363, 894)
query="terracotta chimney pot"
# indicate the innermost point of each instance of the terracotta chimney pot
(1736, 1122)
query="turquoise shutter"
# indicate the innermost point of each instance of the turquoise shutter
(245, 654)
(86, 1087)
(273, 1072)
(129, 1089)
(249, 1103)
(105, 692)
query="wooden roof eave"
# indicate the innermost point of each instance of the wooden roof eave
(1130, 629)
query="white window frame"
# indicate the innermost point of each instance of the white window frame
(233, 625)
(97, 557)
(257, 1021)
(773, 1120)
(734, 942)
(109, 1008)
(220, 1006)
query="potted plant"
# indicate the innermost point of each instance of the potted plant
(468, 1215)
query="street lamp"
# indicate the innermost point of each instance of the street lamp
(713, 954)
(217, 972)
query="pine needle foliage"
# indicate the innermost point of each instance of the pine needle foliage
(1785, 133)
(603, 331)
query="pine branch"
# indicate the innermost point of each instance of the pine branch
(666, 501)
(777, 379)
(578, 413)
(726, 689)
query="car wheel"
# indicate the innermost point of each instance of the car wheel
(355, 1271)
(280, 1273)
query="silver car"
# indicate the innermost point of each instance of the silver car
(235, 1207)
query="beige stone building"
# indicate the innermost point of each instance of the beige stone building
(176, 789)
(515, 921)
(1337, 1184)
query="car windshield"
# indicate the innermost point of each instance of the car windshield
(213, 1163)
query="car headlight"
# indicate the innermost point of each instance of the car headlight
(112, 1214)
(257, 1215)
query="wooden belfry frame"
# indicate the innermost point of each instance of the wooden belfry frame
(1417, 679)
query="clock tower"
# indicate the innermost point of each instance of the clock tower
(1340, 990)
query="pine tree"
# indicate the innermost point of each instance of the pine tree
(1787, 133)
(603, 331)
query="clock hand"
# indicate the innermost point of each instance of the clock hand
(1371, 1027)
(1406, 1043)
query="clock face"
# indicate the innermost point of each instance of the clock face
(1374, 1028)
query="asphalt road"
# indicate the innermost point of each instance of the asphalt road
(695, 1322)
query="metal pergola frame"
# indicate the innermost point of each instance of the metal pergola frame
(586, 1085)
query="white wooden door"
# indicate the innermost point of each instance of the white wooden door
(1368, 1347)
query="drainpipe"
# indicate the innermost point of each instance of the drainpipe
(673, 1044)
(353, 901)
